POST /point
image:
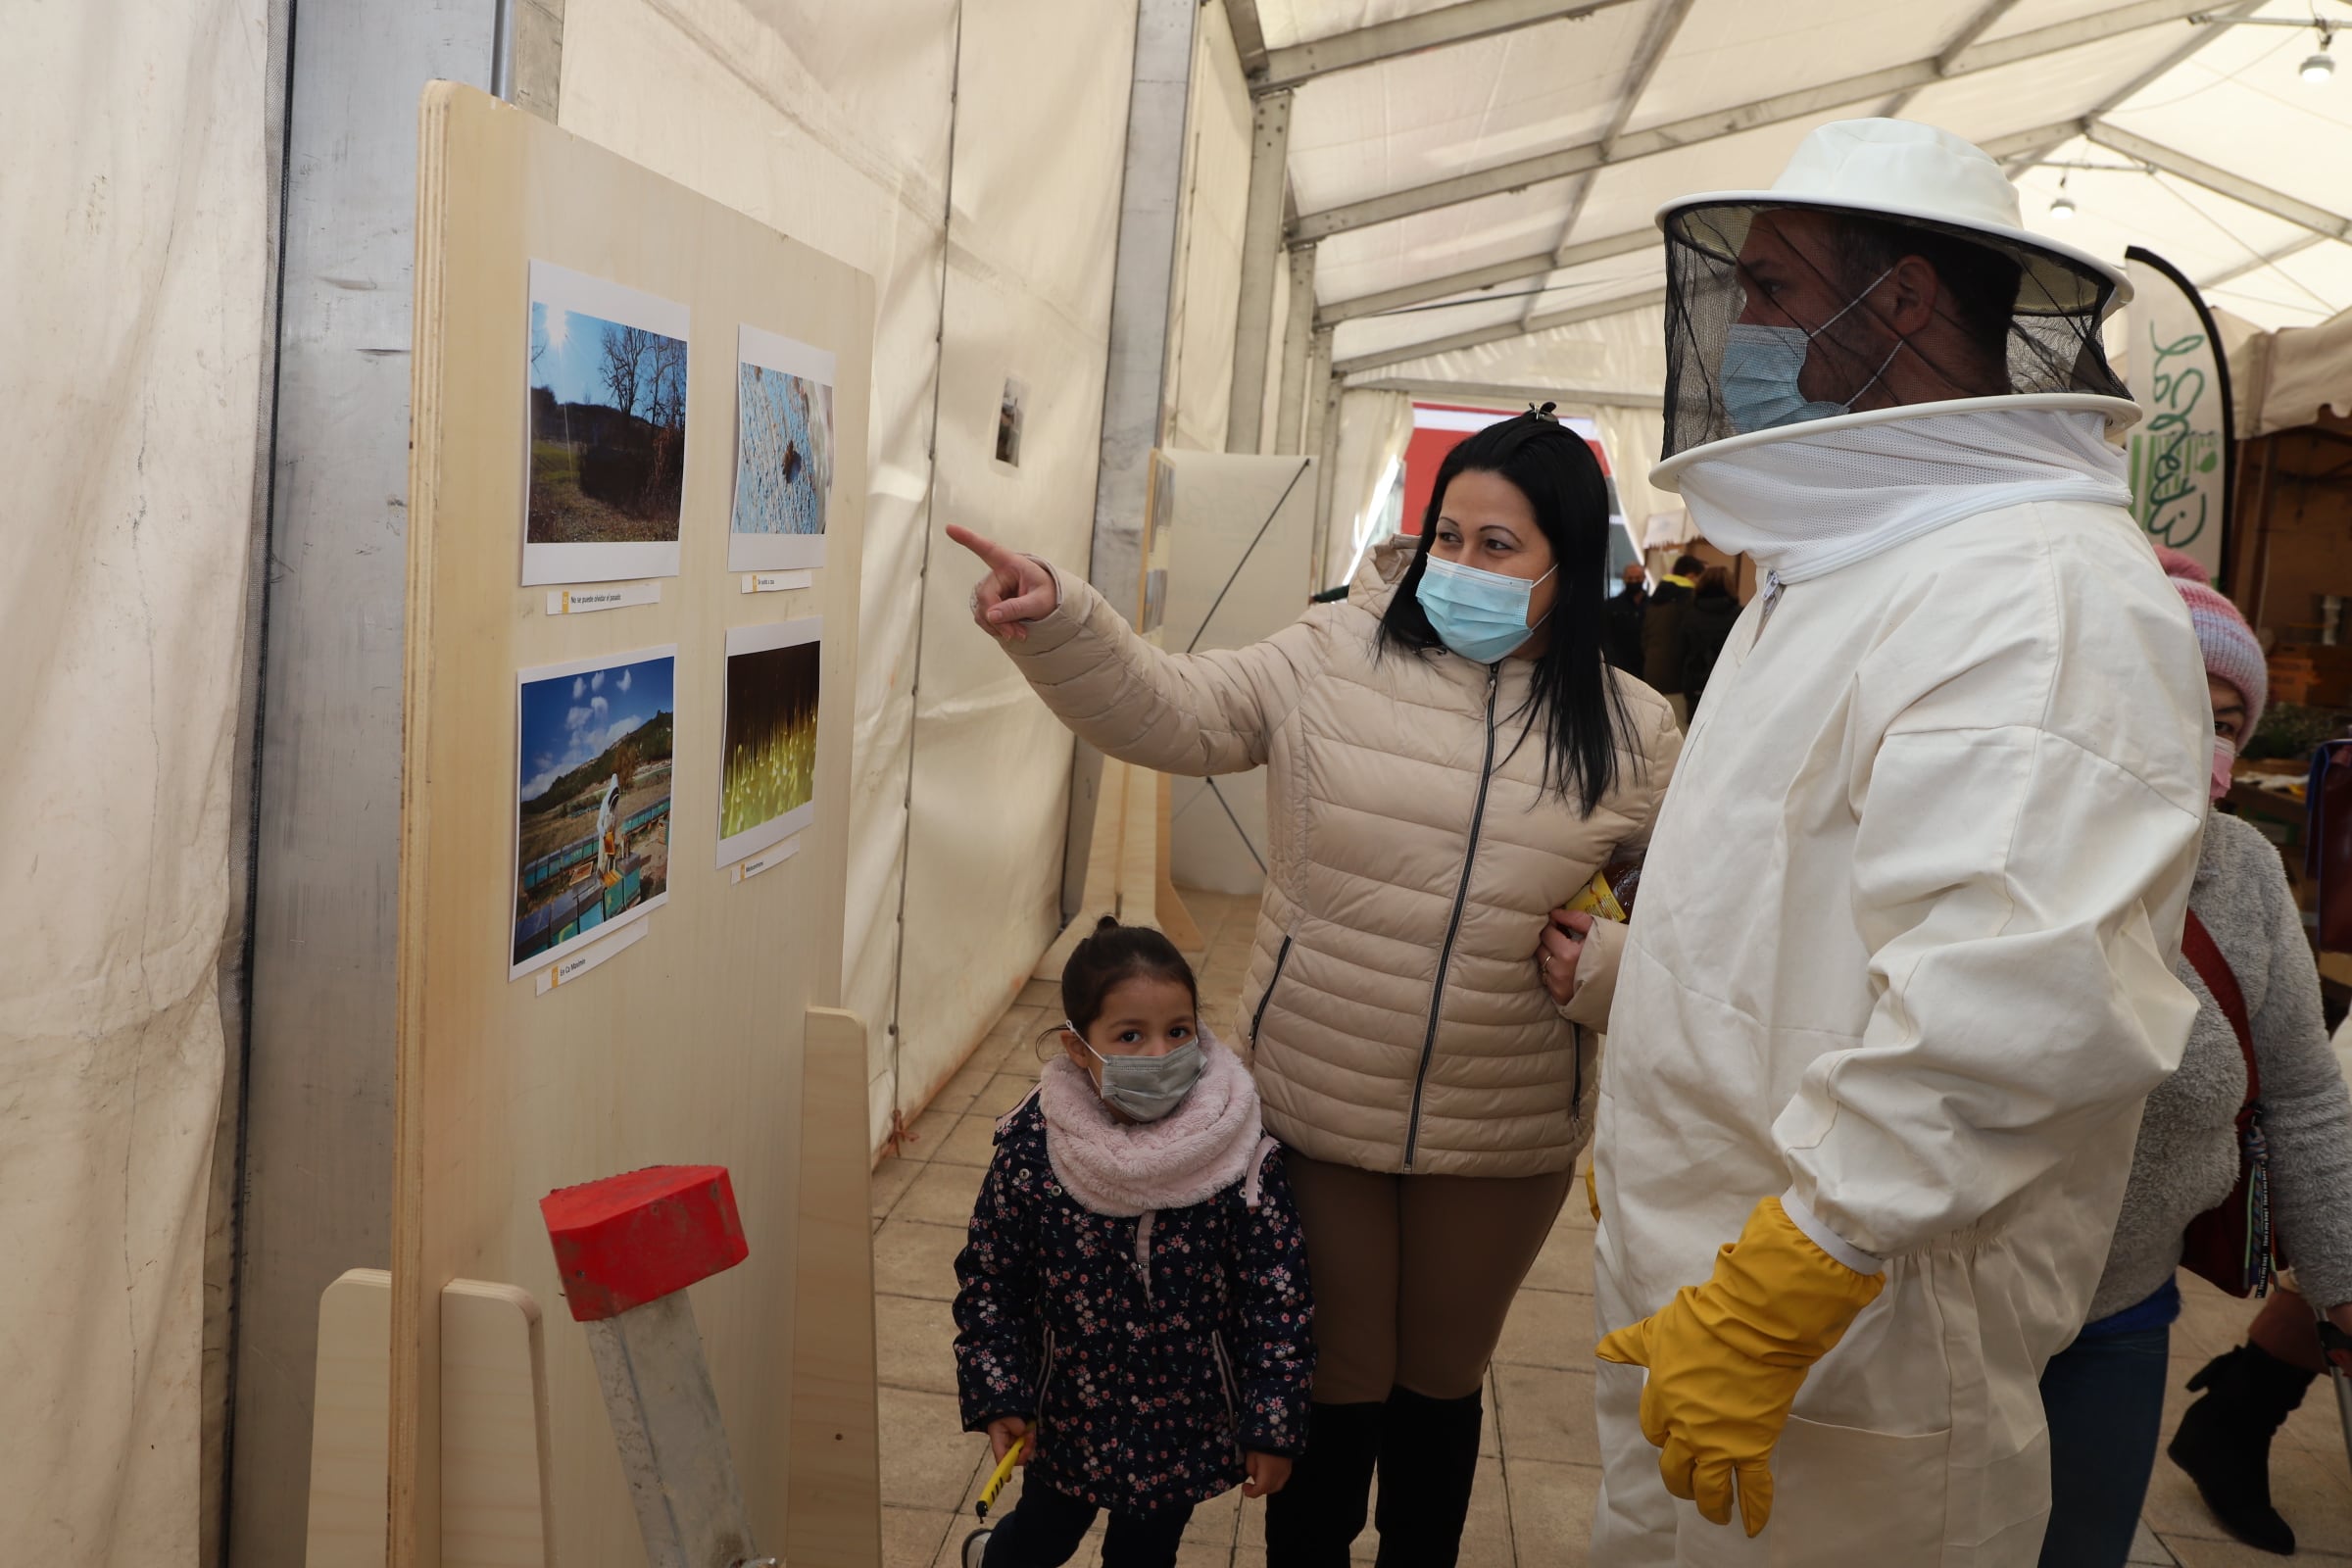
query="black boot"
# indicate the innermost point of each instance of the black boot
(1428, 1464)
(2225, 1441)
(1311, 1522)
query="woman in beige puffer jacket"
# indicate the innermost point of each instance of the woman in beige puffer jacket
(1416, 1014)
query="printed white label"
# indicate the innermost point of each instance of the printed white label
(776, 582)
(588, 958)
(583, 601)
(775, 855)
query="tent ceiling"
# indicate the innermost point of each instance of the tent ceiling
(2213, 152)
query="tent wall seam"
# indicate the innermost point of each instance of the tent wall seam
(922, 589)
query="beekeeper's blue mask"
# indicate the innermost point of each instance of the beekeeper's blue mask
(1480, 614)
(1761, 366)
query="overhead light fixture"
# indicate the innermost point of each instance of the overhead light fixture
(2062, 206)
(2319, 67)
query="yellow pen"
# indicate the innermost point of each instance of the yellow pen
(1003, 1473)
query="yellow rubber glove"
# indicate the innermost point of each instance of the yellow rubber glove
(1726, 1358)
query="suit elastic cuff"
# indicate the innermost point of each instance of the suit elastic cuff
(1802, 1215)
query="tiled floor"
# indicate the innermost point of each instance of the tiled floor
(1539, 1473)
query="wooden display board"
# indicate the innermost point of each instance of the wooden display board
(689, 1047)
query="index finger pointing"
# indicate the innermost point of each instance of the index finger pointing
(996, 555)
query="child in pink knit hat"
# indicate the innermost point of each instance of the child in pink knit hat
(2235, 670)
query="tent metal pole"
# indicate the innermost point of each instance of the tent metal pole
(1142, 297)
(1298, 334)
(1646, 299)
(1261, 246)
(1460, 23)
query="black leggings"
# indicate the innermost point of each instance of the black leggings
(1045, 1528)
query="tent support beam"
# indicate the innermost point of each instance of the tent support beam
(1649, 55)
(1248, 36)
(1571, 256)
(1505, 396)
(1779, 108)
(1461, 23)
(1476, 338)
(1297, 349)
(1494, 272)
(2198, 38)
(1261, 252)
(2222, 183)
(2258, 262)
(1977, 27)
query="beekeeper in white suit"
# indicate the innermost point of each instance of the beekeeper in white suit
(1902, 970)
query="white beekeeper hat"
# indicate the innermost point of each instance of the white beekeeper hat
(1907, 171)
(2022, 313)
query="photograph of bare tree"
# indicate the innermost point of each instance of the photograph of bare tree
(607, 470)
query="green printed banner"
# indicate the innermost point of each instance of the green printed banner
(2179, 452)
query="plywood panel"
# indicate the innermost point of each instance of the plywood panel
(687, 1047)
(494, 1433)
(350, 1422)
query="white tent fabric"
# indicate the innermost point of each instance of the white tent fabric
(2209, 150)
(2290, 378)
(134, 264)
(1375, 427)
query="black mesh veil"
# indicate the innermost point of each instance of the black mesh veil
(1793, 300)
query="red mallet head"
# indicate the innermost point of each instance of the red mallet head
(628, 1239)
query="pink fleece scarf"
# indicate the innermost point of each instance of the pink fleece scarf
(1189, 1155)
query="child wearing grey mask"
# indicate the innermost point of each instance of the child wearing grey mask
(1132, 1312)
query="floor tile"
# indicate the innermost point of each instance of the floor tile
(2192, 1552)
(1546, 1327)
(913, 1258)
(1552, 1510)
(1546, 1414)
(1566, 1261)
(914, 1339)
(912, 1537)
(889, 1180)
(972, 1143)
(941, 1193)
(2148, 1550)
(927, 1458)
(1004, 1090)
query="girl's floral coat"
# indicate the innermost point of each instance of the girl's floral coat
(1149, 1382)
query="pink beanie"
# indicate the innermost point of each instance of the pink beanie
(2231, 653)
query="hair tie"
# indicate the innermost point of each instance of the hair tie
(1544, 413)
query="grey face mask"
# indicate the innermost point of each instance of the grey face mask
(1147, 1088)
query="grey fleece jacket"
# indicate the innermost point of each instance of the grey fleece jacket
(2187, 1158)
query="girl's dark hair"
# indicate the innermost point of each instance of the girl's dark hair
(1583, 710)
(1116, 952)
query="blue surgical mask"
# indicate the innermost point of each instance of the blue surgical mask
(1761, 366)
(1481, 615)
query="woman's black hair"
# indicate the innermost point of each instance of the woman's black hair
(1583, 709)
(1113, 954)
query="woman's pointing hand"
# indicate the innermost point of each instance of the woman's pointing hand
(1017, 589)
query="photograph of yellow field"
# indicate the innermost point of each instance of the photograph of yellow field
(767, 772)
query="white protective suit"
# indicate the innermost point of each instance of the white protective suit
(1904, 954)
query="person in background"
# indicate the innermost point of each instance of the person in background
(1708, 622)
(1621, 622)
(2104, 1393)
(1448, 761)
(1662, 634)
